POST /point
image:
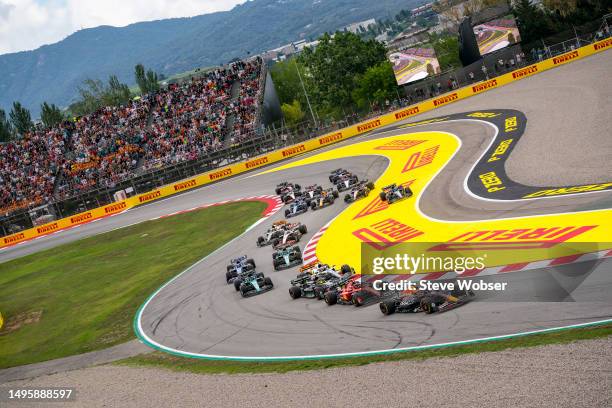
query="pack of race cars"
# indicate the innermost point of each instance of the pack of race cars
(321, 281)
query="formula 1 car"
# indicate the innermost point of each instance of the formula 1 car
(291, 235)
(316, 280)
(286, 257)
(393, 193)
(352, 292)
(346, 181)
(426, 301)
(327, 197)
(238, 266)
(299, 206)
(253, 283)
(286, 186)
(311, 192)
(274, 232)
(359, 191)
(336, 174)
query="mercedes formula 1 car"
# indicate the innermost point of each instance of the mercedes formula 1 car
(359, 191)
(253, 283)
(238, 266)
(299, 206)
(325, 198)
(314, 280)
(393, 193)
(287, 257)
(336, 174)
(426, 301)
(291, 235)
(346, 181)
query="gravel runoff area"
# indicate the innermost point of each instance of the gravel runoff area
(567, 375)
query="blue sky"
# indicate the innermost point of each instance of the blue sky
(28, 24)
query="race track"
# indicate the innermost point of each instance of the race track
(199, 314)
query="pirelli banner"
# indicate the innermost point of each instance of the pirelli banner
(307, 146)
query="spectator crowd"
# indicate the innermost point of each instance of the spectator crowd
(180, 123)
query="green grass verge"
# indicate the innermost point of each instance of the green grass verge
(89, 290)
(162, 360)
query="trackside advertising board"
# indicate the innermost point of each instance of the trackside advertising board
(306, 146)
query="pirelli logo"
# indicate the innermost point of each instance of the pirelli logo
(220, 174)
(512, 239)
(485, 85)
(47, 228)
(185, 185)
(369, 125)
(446, 99)
(566, 57)
(150, 196)
(294, 150)
(386, 233)
(525, 72)
(570, 190)
(603, 44)
(115, 207)
(330, 138)
(256, 162)
(81, 218)
(407, 113)
(14, 238)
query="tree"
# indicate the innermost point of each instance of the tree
(141, 78)
(50, 115)
(377, 84)
(564, 8)
(293, 112)
(93, 94)
(147, 81)
(333, 66)
(21, 119)
(6, 130)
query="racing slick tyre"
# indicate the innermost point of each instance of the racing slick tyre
(275, 243)
(295, 292)
(237, 284)
(251, 261)
(278, 190)
(358, 299)
(268, 282)
(387, 307)
(319, 293)
(336, 194)
(287, 213)
(303, 230)
(347, 198)
(428, 305)
(407, 191)
(383, 196)
(297, 187)
(260, 241)
(331, 297)
(346, 269)
(370, 185)
(313, 206)
(229, 268)
(228, 277)
(287, 199)
(244, 289)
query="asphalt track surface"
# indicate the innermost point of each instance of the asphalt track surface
(199, 313)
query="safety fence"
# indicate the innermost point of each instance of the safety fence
(288, 152)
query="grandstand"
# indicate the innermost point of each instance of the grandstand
(183, 123)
